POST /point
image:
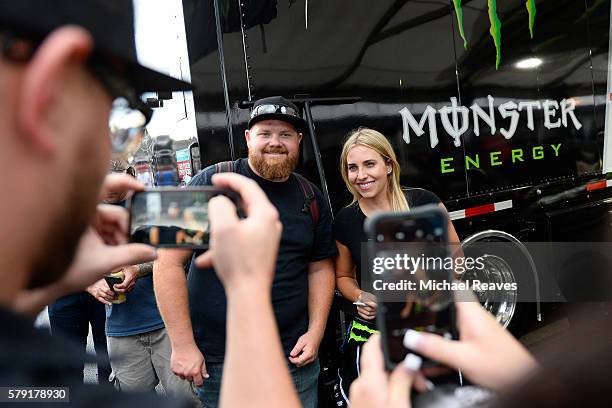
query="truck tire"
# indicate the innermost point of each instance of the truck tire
(506, 262)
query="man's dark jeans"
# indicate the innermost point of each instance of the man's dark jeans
(71, 315)
(305, 380)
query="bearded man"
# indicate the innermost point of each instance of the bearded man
(194, 308)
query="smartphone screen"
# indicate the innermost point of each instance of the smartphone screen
(413, 247)
(174, 218)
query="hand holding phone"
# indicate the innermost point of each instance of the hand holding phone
(174, 217)
(400, 245)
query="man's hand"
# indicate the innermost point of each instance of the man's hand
(94, 259)
(188, 363)
(367, 312)
(101, 292)
(258, 235)
(120, 184)
(131, 275)
(477, 352)
(111, 223)
(102, 248)
(306, 349)
(377, 389)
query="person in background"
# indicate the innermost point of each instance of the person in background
(138, 345)
(371, 173)
(72, 315)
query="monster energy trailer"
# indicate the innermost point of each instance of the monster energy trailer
(498, 106)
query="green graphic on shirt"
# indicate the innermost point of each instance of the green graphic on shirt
(359, 326)
(357, 338)
(531, 9)
(459, 12)
(496, 24)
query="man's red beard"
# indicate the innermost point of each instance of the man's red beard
(277, 170)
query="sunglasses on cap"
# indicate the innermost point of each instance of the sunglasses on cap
(271, 108)
(129, 114)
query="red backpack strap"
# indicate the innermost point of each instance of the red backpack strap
(310, 202)
(221, 167)
(225, 167)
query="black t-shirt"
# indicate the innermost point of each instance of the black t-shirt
(300, 244)
(33, 358)
(348, 224)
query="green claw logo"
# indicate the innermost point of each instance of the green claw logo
(496, 24)
(531, 9)
(495, 30)
(459, 12)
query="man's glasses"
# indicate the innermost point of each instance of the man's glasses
(129, 114)
(271, 108)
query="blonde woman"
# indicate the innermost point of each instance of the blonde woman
(371, 173)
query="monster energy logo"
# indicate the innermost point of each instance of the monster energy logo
(456, 118)
(496, 25)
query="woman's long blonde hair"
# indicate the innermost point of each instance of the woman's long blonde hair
(378, 142)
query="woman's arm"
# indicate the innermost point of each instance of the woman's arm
(346, 280)
(347, 284)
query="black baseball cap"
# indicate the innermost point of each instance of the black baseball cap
(277, 107)
(110, 23)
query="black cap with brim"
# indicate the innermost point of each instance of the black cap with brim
(282, 103)
(110, 23)
(145, 79)
(298, 123)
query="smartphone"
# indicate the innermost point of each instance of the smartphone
(112, 280)
(410, 243)
(170, 217)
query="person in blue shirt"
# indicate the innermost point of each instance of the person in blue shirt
(138, 345)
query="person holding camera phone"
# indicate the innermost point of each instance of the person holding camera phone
(371, 173)
(61, 68)
(195, 309)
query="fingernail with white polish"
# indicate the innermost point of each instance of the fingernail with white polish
(412, 362)
(411, 338)
(429, 385)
